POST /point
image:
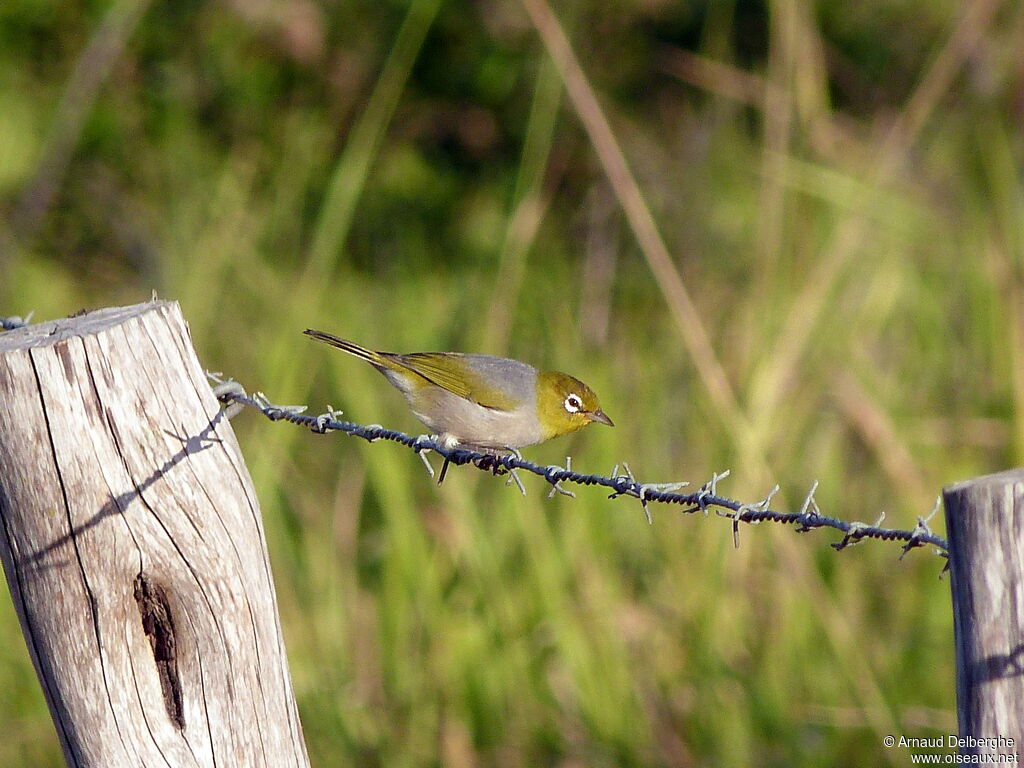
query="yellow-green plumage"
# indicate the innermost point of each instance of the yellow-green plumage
(481, 400)
(552, 390)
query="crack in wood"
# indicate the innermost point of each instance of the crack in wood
(88, 490)
(158, 624)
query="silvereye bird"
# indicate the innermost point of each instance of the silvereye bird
(483, 401)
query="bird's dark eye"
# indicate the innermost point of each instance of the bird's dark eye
(573, 404)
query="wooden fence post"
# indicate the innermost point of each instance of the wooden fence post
(132, 542)
(985, 524)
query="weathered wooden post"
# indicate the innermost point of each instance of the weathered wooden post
(133, 547)
(985, 524)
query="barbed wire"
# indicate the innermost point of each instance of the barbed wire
(705, 499)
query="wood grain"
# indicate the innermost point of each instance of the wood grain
(133, 547)
(985, 523)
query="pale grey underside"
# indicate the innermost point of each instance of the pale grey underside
(457, 419)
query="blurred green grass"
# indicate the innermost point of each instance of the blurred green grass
(413, 176)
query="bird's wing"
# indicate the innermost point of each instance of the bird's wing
(466, 383)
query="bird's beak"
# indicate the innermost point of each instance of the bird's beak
(602, 417)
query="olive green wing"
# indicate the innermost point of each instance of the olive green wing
(453, 373)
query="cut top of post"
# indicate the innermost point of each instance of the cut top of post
(80, 324)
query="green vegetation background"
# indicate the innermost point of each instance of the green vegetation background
(838, 186)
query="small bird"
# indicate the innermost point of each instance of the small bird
(481, 401)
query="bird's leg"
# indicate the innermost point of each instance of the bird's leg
(491, 457)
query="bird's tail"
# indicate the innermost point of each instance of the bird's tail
(373, 358)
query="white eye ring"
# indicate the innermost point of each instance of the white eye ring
(573, 403)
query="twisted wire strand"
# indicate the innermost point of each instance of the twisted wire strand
(706, 498)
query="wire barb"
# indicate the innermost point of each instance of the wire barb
(556, 485)
(422, 446)
(276, 412)
(323, 421)
(222, 388)
(922, 529)
(858, 531)
(710, 490)
(514, 476)
(744, 513)
(806, 519)
(628, 485)
(636, 489)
